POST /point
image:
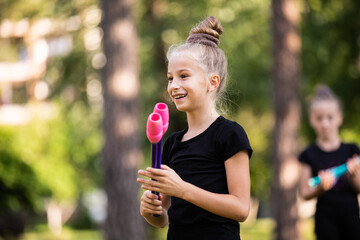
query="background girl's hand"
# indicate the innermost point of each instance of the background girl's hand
(327, 180)
(167, 182)
(150, 204)
(353, 166)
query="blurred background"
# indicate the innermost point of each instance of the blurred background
(78, 79)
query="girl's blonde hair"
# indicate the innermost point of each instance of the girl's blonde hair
(202, 44)
(324, 93)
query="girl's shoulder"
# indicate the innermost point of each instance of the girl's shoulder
(228, 126)
(352, 147)
(309, 151)
(232, 136)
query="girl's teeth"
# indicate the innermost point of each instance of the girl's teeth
(180, 96)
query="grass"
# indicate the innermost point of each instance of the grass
(41, 232)
(65, 235)
(262, 229)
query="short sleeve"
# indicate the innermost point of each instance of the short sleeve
(233, 139)
(302, 157)
(356, 149)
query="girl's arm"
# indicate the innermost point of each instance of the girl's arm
(307, 192)
(150, 205)
(354, 172)
(234, 205)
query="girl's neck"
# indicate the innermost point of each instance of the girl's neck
(198, 122)
(330, 144)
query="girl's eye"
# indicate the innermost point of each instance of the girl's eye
(183, 76)
(170, 78)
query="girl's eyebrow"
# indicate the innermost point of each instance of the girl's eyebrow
(180, 70)
(183, 70)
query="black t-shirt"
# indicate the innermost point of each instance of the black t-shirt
(200, 161)
(318, 160)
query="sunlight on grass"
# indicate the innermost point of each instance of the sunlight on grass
(261, 229)
(66, 234)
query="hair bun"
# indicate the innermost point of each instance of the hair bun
(207, 32)
(324, 92)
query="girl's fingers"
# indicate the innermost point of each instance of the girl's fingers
(152, 173)
(150, 204)
(152, 197)
(150, 209)
(327, 180)
(353, 166)
(148, 182)
(151, 188)
(165, 167)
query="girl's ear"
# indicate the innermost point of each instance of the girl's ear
(214, 82)
(341, 118)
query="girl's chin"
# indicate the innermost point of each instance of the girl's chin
(181, 107)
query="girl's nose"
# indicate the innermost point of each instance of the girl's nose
(325, 123)
(174, 84)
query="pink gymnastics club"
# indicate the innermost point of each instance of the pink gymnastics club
(154, 128)
(163, 110)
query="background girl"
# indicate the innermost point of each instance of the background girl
(205, 181)
(337, 209)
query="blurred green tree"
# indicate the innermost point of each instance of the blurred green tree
(60, 146)
(330, 55)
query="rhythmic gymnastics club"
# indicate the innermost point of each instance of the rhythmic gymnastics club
(156, 126)
(336, 171)
(163, 110)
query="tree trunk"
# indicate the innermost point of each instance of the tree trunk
(286, 48)
(121, 153)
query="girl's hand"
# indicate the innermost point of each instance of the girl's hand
(150, 204)
(353, 166)
(167, 181)
(327, 180)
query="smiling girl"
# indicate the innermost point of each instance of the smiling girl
(204, 182)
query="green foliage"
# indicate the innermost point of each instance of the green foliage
(20, 9)
(19, 185)
(258, 127)
(63, 151)
(330, 54)
(59, 157)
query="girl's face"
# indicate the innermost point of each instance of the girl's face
(189, 85)
(326, 118)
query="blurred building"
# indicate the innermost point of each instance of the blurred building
(25, 49)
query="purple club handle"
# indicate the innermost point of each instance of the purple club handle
(156, 126)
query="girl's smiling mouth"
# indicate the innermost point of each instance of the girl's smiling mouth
(179, 96)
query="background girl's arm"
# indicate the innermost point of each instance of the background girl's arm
(234, 205)
(354, 172)
(150, 205)
(307, 192)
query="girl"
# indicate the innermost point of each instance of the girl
(337, 209)
(204, 182)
